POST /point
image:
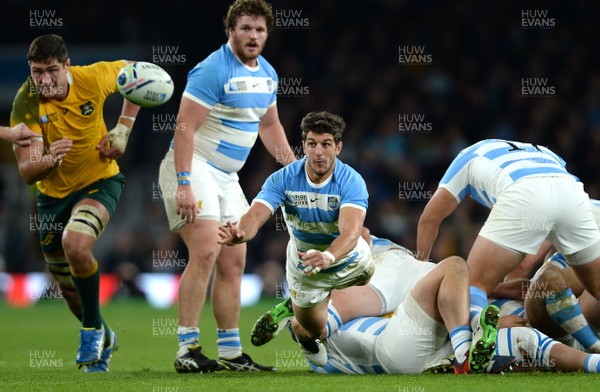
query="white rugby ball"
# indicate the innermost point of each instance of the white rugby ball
(145, 84)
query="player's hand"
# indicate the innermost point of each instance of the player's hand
(314, 261)
(187, 205)
(230, 234)
(113, 144)
(21, 135)
(57, 150)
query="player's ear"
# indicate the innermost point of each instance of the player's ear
(339, 148)
(68, 63)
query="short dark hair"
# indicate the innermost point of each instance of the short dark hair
(323, 122)
(46, 48)
(248, 7)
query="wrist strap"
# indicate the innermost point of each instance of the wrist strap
(127, 121)
(328, 254)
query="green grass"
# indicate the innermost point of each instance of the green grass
(144, 361)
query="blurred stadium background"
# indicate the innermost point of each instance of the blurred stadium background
(416, 81)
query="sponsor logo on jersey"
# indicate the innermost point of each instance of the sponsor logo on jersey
(298, 200)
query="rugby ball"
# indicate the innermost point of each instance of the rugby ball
(145, 84)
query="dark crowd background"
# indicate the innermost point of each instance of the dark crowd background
(407, 116)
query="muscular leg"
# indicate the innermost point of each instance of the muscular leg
(553, 308)
(59, 269)
(78, 239)
(548, 281)
(309, 323)
(201, 239)
(443, 292)
(356, 301)
(227, 285)
(226, 299)
(489, 263)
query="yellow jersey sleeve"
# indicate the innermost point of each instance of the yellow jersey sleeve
(101, 77)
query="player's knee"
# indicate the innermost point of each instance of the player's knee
(456, 266)
(86, 219)
(74, 247)
(550, 279)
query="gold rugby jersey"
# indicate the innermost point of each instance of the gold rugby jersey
(78, 117)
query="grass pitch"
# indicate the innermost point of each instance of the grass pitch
(38, 344)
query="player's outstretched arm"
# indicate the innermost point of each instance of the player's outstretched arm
(36, 162)
(439, 207)
(247, 227)
(20, 134)
(273, 137)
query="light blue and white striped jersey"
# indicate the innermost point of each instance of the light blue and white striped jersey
(381, 245)
(351, 349)
(238, 97)
(310, 210)
(486, 168)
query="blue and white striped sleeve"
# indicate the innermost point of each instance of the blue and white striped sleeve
(354, 191)
(205, 85)
(272, 193)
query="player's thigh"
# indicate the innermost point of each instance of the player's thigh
(50, 221)
(396, 273)
(426, 291)
(355, 269)
(305, 291)
(489, 263)
(201, 239)
(356, 301)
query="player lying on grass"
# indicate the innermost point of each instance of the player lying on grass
(396, 275)
(380, 345)
(362, 345)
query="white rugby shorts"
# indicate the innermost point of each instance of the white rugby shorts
(219, 194)
(308, 291)
(535, 208)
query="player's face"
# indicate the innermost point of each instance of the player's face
(51, 80)
(321, 151)
(248, 38)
